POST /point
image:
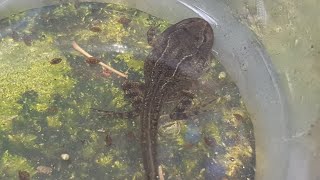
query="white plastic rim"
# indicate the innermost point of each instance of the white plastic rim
(249, 65)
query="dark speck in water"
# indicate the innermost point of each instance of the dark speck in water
(238, 117)
(210, 141)
(130, 135)
(309, 134)
(55, 61)
(124, 21)
(24, 175)
(52, 110)
(15, 36)
(95, 29)
(108, 140)
(27, 40)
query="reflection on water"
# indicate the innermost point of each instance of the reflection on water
(48, 130)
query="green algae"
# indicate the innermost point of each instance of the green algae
(22, 69)
(129, 59)
(11, 164)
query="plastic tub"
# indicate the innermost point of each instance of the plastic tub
(286, 146)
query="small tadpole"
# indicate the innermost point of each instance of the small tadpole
(55, 61)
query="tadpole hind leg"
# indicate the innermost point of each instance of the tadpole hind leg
(180, 111)
(185, 108)
(133, 91)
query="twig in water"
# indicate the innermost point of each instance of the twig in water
(161, 176)
(93, 60)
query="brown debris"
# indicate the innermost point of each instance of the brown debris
(108, 140)
(55, 61)
(95, 29)
(24, 175)
(106, 73)
(92, 60)
(15, 36)
(238, 117)
(131, 136)
(124, 21)
(209, 141)
(27, 39)
(44, 170)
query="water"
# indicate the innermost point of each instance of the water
(45, 104)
